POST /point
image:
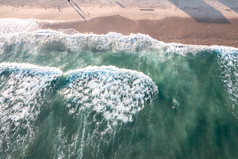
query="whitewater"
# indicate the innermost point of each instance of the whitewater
(114, 96)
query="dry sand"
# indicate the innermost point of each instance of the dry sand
(204, 22)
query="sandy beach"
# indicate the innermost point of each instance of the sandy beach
(202, 22)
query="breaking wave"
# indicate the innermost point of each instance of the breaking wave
(23, 88)
(118, 94)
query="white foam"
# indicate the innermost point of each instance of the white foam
(8, 25)
(118, 94)
(111, 41)
(103, 98)
(20, 99)
(18, 31)
(229, 76)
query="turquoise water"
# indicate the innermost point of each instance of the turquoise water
(114, 96)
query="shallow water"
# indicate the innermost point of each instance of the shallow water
(115, 96)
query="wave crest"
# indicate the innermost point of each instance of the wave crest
(118, 94)
(22, 87)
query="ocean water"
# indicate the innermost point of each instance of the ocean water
(113, 96)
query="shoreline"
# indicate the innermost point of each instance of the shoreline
(170, 25)
(187, 31)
